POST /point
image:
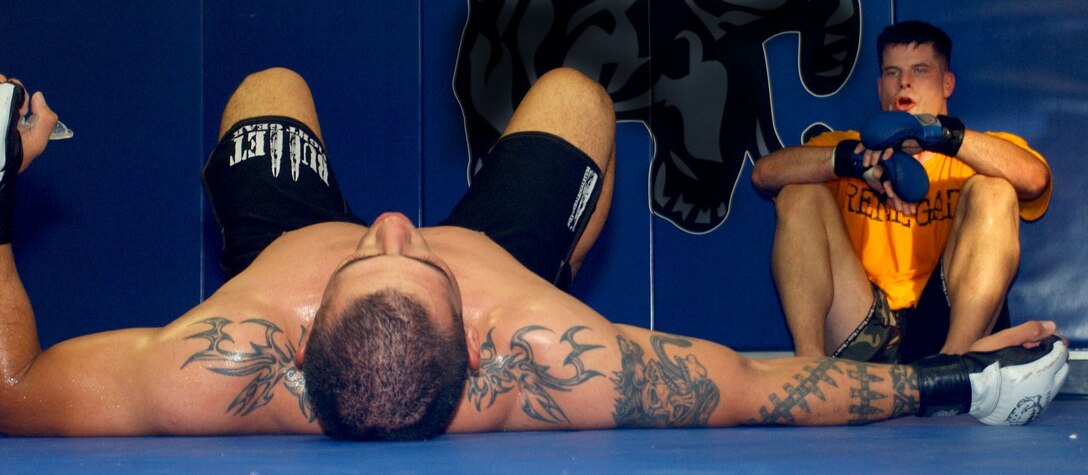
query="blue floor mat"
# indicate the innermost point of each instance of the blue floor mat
(1055, 443)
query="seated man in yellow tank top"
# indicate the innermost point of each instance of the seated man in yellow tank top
(865, 275)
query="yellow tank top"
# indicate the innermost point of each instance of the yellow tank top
(900, 252)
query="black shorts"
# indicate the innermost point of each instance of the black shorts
(533, 195)
(906, 335)
(267, 176)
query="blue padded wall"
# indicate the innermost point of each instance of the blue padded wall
(1024, 69)
(362, 64)
(107, 231)
(112, 229)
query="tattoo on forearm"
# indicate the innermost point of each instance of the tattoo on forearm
(270, 363)
(499, 374)
(905, 385)
(781, 410)
(864, 395)
(670, 391)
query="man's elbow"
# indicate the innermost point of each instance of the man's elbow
(1035, 183)
(762, 178)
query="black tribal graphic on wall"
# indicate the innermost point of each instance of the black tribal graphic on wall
(696, 75)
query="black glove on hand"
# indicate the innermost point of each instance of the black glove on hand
(1010, 386)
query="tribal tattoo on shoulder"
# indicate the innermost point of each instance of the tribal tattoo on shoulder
(500, 374)
(669, 391)
(269, 364)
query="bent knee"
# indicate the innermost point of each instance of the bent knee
(577, 88)
(570, 105)
(272, 77)
(803, 198)
(274, 91)
(988, 194)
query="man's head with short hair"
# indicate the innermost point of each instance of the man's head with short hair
(382, 369)
(914, 68)
(387, 356)
(917, 33)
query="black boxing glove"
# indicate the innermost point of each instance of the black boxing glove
(1010, 386)
(11, 153)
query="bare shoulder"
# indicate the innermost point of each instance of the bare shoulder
(545, 363)
(206, 374)
(239, 363)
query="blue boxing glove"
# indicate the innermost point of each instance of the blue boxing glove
(908, 178)
(1010, 386)
(942, 134)
(11, 153)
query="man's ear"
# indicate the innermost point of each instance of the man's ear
(949, 84)
(472, 340)
(301, 352)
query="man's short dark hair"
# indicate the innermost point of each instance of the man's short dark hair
(383, 370)
(914, 32)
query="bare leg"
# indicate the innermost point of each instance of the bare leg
(274, 91)
(566, 103)
(981, 259)
(823, 288)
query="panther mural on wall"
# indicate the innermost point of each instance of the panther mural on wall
(694, 71)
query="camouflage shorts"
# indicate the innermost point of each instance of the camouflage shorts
(877, 338)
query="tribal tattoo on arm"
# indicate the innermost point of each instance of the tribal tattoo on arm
(825, 373)
(905, 385)
(664, 392)
(500, 374)
(268, 364)
(669, 391)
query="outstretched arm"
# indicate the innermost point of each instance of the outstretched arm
(1001, 382)
(744, 391)
(40, 392)
(18, 334)
(594, 376)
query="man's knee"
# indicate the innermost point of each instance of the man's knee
(273, 91)
(267, 80)
(993, 198)
(569, 81)
(570, 105)
(571, 92)
(803, 199)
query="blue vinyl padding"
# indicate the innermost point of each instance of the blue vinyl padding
(1055, 443)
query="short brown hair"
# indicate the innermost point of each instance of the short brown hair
(382, 370)
(915, 32)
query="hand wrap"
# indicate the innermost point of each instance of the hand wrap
(908, 178)
(1010, 386)
(11, 153)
